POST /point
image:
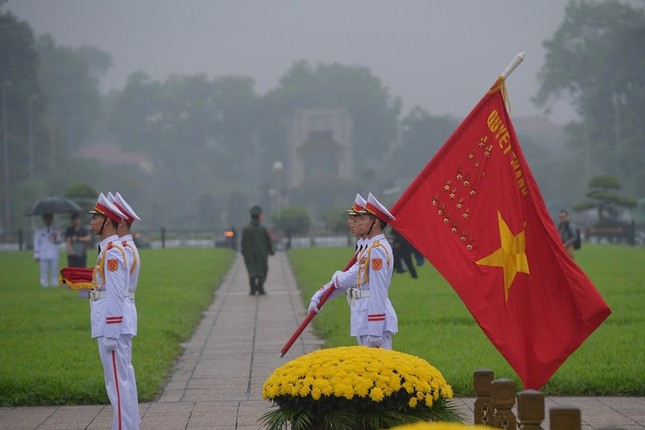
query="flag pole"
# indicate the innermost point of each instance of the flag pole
(513, 64)
(312, 314)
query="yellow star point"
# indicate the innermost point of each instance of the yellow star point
(511, 255)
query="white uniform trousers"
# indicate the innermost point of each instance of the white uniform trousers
(48, 272)
(386, 340)
(120, 383)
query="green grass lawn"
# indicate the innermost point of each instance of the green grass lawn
(47, 356)
(434, 324)
(46, 353)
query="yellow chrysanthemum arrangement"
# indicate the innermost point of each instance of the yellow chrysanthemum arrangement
(441, 426)
(356, 388)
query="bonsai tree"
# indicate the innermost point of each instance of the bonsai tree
(603, 197)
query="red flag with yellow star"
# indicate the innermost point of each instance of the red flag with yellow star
(475, 212)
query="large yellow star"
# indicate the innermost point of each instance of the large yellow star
(511, 256)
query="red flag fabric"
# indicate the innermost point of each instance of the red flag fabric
(476, 213)
(76, 278)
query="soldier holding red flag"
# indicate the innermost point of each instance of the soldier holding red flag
(373, 320)
(354, 227)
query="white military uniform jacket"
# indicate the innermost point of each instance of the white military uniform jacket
(46, 242)
(134, 263)
(360, 245)
(111, 280)
(368, 281)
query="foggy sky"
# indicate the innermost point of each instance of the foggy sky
(439, 54)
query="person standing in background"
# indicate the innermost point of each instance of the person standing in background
(46, 251)
(78, 238)
(403, 251)
(256, 248)
(567, 233)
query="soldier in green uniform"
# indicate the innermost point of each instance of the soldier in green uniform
(256, 248)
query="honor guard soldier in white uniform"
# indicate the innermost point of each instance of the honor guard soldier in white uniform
(353, 224)
(46, 251)
(358, 208)
(373, 320)
(112, 307)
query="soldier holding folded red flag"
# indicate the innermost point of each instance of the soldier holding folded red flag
(112, 303)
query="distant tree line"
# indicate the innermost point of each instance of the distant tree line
(212, 142)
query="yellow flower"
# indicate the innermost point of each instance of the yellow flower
(350, 372)
(440, 426)
(316, 393)
(304, 391)
(413, 402)
(376, 394)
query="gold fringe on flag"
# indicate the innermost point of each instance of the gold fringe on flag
(76, 286)
(76, 278)
(500, 85)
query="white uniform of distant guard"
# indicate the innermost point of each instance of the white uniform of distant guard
(373, 319)
(46, 251)
(113, 315)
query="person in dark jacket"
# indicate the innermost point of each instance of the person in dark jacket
(256, 248)
(403, 251)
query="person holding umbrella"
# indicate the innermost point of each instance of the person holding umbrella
(47, 239)
(46, 251)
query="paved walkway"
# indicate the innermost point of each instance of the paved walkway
(217, 383)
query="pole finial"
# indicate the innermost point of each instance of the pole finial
(513, 64)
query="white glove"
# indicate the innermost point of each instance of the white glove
(374, 341)
(313, 306)
(110, 344)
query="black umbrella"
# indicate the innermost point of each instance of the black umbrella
(53, 205)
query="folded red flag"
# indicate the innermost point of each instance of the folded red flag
(76, 278)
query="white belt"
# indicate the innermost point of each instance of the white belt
(98, 295)
(358, 293)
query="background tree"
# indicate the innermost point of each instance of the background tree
(83, 194)
(597, 59)
(70, 90)
(421, 137)
(373, 110)
(335, 220)
(200, 135)
(292, 220)
(604, 198)
(18, 86)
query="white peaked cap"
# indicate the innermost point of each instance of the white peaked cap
(358, 207)
(377, 209)
(131, 215)
(105, 207)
